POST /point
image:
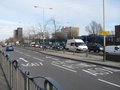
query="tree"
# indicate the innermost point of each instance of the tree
(56, 33)
(94, 28)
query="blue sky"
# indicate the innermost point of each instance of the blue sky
(80, 13)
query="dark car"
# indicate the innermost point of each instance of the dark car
(9, 48)
(96, 47)
(58, 46)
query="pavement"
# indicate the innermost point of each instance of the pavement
(3, 82)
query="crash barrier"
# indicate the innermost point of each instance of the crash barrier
(19, 78)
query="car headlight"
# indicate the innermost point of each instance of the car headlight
(101, 48)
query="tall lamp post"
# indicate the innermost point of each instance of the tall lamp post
(43, 20)
(104, 54)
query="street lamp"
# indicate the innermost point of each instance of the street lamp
(43, 11)
(104, 54)
(43, 19)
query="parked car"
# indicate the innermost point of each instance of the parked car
(9, 48)
(113, 49)
(76, 45)
(95, 47)
(57, 47)
(37, 45)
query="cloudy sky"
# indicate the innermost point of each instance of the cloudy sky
(80, 13)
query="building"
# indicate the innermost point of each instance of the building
(117, 31)
(18, 34)
(70, 32)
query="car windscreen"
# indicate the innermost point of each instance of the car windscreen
(79, 44)
(99, 45)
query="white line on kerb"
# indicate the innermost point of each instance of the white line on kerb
(23, 59)
(52, 58)
(109, 83)
(64, 68)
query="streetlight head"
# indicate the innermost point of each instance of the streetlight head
(35, 6)
(50, 8)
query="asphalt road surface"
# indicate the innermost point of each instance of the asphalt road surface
(72, 75)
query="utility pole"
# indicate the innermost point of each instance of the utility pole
(104, 54)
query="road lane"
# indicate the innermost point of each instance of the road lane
(73, 75)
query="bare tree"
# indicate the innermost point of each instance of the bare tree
(94, 28)
(57, 29)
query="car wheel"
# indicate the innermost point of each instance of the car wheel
(94, 50)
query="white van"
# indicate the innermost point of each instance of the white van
(76, 45)
(114, 49)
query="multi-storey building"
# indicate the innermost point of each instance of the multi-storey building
(18, 34)
(70, 32)
(117, 31)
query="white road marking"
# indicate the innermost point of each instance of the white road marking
(101, 71)
(52, 58)
(23, 59)
(111, 69)
(109, 83)
(33, 64)
(64, 68)
(29, 56)
(37, 59)
(90, 72)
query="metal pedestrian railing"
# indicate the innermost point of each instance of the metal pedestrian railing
(19, 78)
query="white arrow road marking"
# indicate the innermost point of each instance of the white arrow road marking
(109, 83)
(23, 59)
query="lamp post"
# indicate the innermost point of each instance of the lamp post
(43, 10)
(104, 54)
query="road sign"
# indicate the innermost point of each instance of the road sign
(104, 33)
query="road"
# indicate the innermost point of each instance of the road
(72, 75)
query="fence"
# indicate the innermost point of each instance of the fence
(19, 78)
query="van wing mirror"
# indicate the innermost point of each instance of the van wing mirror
(116, 48)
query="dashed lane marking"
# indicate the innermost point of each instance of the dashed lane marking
(109, 83)
(52, 58)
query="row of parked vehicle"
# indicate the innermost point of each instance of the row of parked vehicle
(72, 45)
(80, 45)
(49, 46)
